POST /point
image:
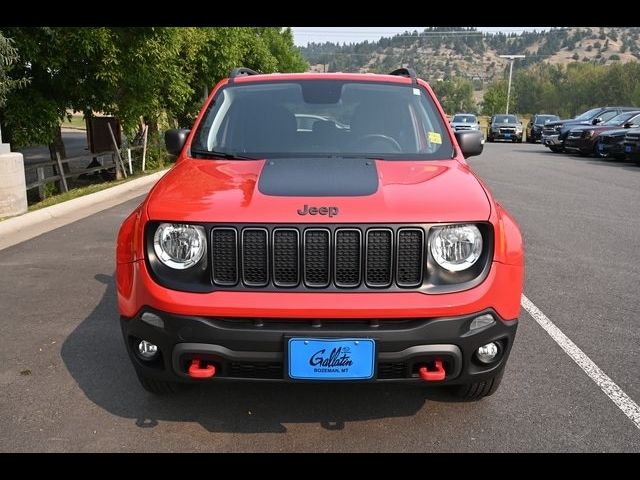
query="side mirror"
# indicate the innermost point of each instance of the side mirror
(596, 121)
(628, 125)
(470, 142)
(174, 140)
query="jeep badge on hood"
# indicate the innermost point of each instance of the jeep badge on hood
(331, 211)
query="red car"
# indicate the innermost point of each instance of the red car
(320, 228)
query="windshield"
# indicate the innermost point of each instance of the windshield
(588, 115)
(464, 119)
(542, 119)
(505, 119)
(322, 118)
(620, 119)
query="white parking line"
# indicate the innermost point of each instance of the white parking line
(608, 386)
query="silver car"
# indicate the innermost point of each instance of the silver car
(465, 121)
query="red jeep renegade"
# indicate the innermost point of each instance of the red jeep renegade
(320, 228)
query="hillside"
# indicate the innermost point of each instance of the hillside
(440, 53)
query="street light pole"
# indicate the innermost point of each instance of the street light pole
(512, 57)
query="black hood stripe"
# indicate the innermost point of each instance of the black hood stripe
(318, 177)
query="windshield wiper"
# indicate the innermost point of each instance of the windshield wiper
(220, 154)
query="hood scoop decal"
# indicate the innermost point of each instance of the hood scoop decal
(318, 177)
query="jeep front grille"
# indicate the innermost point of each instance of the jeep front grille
(286, 258)
(318, 257)
(224, 256)
(255, 258)
(348, 248)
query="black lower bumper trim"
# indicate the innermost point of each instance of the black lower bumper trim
(253, 349)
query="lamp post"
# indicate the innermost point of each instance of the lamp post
(511, 57)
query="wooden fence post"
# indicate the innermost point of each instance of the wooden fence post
(144, 147)
(42, 193)
(117, 150)
(129, 159)
(63, 180)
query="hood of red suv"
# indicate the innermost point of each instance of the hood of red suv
(232, 191)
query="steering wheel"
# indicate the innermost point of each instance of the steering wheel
(379, 136)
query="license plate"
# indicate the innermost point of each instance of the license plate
(507, 135)
(627, 148)
(331, 359)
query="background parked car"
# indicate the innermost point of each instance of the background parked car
(534, 127)
(505, 127)
(583, 139)
(555, 133)
(465, 121)
(632, 145)
(610, 144)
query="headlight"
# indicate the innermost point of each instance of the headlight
(179, 246)
(518, 129)
(456, 247)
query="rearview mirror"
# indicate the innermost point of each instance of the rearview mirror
(174, 140)
(470, 142)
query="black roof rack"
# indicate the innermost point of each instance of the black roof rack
(241, 72)
(406, 72)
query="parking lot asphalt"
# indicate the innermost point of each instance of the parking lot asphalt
(66, 383)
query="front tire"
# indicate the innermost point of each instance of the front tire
(472, 392)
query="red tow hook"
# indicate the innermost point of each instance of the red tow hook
(435, 375)
(195, 371)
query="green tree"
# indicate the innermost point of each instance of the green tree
(455, 95)
(65, 69)
(8, 56)
(132, 73)
(495, 98)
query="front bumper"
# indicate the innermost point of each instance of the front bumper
(552, 141)
(632, 151)
(583, 145)
(610, 149)
(253, 348)
(506, 136)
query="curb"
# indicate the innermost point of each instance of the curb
(18, 229)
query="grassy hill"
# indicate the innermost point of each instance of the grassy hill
(440, 53)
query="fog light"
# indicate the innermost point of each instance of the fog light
(487, 353)
(147, 350)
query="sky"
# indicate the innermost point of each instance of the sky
(304, 35)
